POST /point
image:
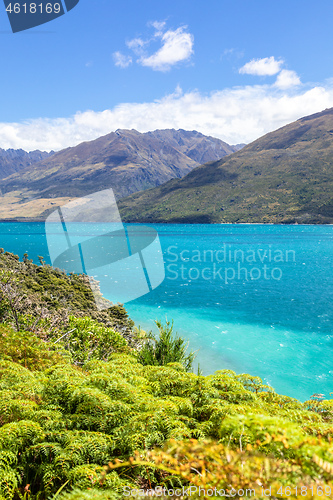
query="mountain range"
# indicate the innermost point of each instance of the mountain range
(285, 176)
(15, 160)
(126, 161)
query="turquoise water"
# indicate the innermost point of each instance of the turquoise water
(253, 298)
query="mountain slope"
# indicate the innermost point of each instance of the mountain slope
(15, 160)
(285, 176)
(195, 145)
(126, 161)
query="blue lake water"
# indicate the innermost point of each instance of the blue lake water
(254, 298)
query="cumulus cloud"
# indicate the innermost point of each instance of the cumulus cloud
(234, 115)
(176, 46)
(287, 78)
(121, 60)
(267, 66)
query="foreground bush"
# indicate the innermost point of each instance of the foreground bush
(166, 348)
(62, 424)
(85, 416)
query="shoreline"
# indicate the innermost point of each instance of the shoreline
(41, 221)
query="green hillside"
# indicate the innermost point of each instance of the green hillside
(284, 177)
(84, 414)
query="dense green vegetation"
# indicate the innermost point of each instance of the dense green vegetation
(42, 299)
(85, 415)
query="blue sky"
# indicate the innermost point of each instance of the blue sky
(233, 69)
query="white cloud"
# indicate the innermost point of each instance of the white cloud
(234, 115)
(287, 78)
(136, 45)
(177, 46)
(158, 25)
(121, 60)
(267, 66)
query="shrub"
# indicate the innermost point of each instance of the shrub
(87, 339)
(28, 350)
(166, 349)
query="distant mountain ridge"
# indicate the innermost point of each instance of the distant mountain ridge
(195, 145)
(14, 160)
(126, 161)
(285, 176)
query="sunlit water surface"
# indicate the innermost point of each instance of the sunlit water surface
(252, 298)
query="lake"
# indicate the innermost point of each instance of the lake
(253, 298)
